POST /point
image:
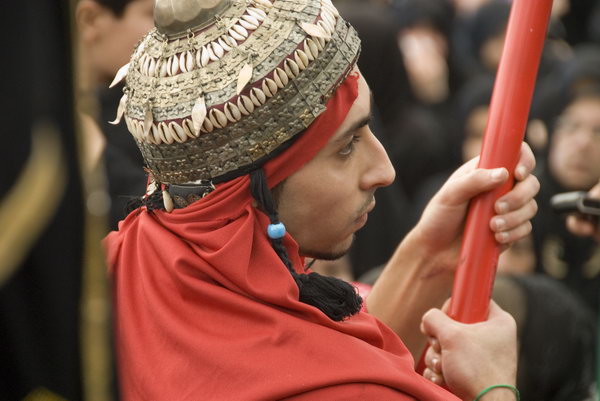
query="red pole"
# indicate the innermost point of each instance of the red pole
(509, 108)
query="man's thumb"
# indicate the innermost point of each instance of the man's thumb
(435, 323)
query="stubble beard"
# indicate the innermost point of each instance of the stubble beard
(327, 255)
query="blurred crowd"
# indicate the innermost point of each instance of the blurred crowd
(431, 66)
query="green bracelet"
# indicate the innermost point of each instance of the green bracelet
(490, 388)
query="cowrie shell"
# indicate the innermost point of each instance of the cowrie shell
(231, 41)
(156, 135)
(211, 54)
(207, 125)
(141, 63)
(283, 77)
(175, 65)
(205, 58)
(218, 50)
(252, 20)
(241, 107)
(218, 118)
(139, 130)
(249, 26)
(168, 135)
(247, 103)
(145, 66)
(241, 30)
(232, 112)
(189, 61)
(233, 33)
(224, 44)
(330, 7)
(258, 96)
(164, 65)
(152, 67)
(269, 87)
(320, 43)
(265, 3)
(311, 49)
(177, 130)
(188, 128)
(291, 68)
(324, 26)
(163, 132)
(328, 17)
(257, 13)
(301, 59)
(181, 62)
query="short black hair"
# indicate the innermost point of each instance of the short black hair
(116, 6)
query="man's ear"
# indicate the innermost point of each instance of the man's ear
(91, 18)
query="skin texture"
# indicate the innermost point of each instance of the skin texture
(325, 202)
(107, 40)
(575, 145)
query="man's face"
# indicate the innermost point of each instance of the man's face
(327, 200)
(574, 158)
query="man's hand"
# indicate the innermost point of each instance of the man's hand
(582, 227)
(419, 275)
(471, 357)
(441, 226)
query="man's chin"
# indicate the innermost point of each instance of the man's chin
(329, 254)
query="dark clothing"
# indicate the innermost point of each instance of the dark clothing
(124, 163)
(39, 296)
(573, 260)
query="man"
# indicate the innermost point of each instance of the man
(253, 121)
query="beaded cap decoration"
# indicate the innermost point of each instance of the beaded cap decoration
(220, 84)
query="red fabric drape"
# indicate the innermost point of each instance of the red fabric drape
(206, 310)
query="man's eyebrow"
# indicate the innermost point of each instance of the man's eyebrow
(366, 120)
(354, 127)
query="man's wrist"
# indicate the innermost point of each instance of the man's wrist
(499, 392)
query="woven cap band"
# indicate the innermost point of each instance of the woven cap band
(230, 93)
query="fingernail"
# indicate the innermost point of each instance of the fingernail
(521, 171)
(500, 224)
(497, 174)
(502, 207)
(502, 237)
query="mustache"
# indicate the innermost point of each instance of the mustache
(367, 204)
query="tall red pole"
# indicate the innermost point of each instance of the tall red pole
(509, 108)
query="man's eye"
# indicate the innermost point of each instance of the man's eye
(349, 148)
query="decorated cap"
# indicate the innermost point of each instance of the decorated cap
(218, 86)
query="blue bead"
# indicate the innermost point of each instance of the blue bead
(276, 231)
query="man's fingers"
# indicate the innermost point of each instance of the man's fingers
(461, 188)
(515, 234)
(433, 360)
(520, 195)
(526, 163)
(433, 377)
(514, 219)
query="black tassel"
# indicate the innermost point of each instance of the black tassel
(334, 297)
